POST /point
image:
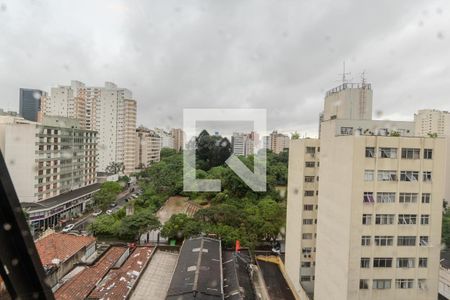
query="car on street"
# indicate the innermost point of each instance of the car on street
(109, 212)
(97, 213)
(114, 204)
(68, 228)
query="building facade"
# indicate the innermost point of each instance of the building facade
(109, 110)
(432, 121)
(48, 159)
(30, 103)
(278, 142)
(148, 147)
(178, 138)
(242, 144)
(371, 228)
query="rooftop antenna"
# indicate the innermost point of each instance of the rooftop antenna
(363, 78)
(344, 74)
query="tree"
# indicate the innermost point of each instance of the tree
(180, 226)
(135, 225)
(115, 167)
(107, 194)
(166, 152)
(446, 229)
(295, 136)
(104, 225)
(211, 151)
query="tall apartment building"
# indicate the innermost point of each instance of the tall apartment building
(148, 147)
(242, 144)
(178, 138)
(432, 121)
(49, 159)
(109, 110)
(278, 142)
(30, 103)
(371, 228)
(167, 140)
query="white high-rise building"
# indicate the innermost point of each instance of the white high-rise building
(167, 140)
(109, 110)
(49, 159)
(371, 227)
(242, 144)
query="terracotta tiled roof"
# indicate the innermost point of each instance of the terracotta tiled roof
(118, 282)
(60, 246)
(83, 283)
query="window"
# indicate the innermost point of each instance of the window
(305, 278)
(384, 240)
(346, 130)
(311, 150)
(370, 152)
(365, 262)
(428, 153)
(424, 219)
(423, 241)
(423, 262)
(382, 262)
(306, 250)
(306, 264)
(404, 219)
(387, 175)
(363, 284)
(365, 240)
(405, 262)
(383, 197)
(384, 219)
(308, 207)
(426, 198)
(408, 198)
(307, 221)
(422, 284)
(366, 219)
(307, 236)
(309, 193)
(309, 178)
(406, 241)
(381, 284)
(368, 197)
(310, 164)
(369, 175)
(409, 176)
(404, 283)
(411, 153)
(388, 153)
(426, 176)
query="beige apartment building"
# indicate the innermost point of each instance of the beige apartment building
(432, 121)
(109, 110)
(371, 228)
(277, 142)
(178, 138)
(48, 159)
(148, 147)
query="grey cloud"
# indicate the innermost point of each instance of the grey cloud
(279, 55)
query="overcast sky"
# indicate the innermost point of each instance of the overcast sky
(280, 55)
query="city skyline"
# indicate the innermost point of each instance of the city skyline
(246, 65)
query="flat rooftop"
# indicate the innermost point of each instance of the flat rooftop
(60, 199)
(154, 282)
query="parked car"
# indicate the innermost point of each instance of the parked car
(97, 213)
(68, 227)
(109, 212)
(114, 204)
